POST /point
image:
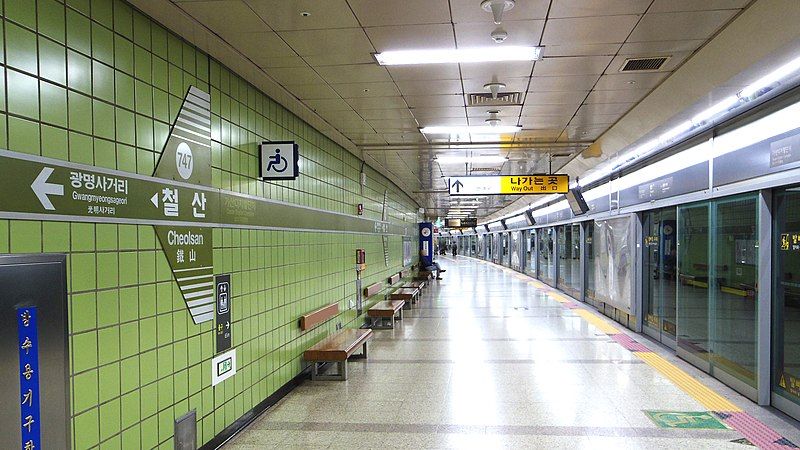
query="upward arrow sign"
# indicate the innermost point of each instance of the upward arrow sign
(458, 185)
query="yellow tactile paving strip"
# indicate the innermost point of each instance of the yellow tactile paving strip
(597, 322)
(704, 395)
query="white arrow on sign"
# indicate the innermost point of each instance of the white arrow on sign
(154, 199)
(42, 188)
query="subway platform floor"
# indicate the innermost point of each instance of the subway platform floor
(491, 358)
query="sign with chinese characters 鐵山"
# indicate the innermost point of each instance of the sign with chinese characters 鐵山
(29, 377)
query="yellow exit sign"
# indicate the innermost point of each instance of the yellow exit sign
(534, 184)
(509, 185)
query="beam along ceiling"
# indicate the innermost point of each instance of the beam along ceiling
(322, 52)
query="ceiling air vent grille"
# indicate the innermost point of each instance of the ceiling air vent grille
(503, 99)
(643, 64)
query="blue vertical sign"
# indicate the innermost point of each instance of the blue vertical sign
(426, 243)
(29, 377)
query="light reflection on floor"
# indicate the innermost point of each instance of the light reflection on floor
(487, 360)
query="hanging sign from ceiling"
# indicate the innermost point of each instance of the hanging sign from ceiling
(509, 185)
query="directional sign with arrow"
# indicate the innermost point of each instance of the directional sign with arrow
(509, 185)
(41, 188)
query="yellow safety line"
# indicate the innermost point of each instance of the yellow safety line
(599, 323)
(701, 393)
(698, 391)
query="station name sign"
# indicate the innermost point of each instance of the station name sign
(509, 185)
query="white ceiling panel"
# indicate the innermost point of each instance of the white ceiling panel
(386, 114)
(620, 81)
(328, 104)
(565, 110)
(695, 5)
(536, 135)
(281, 15)
(294, 75)
(373, 13)
(543, 121)
(412, 37)
(435, 101)
(442, 121)
(341, 116)
(578, 65)
(589, 30)
(339, 59)
(283, 61)
(604, 109)
(390, 125)
(680, 25)
(225, 16)
(470, 11)
(313, 91)
(341, 41)
(358, 73)
(359, 103)
(425, 72)
(660, 47)
(584, 119)
(433, 87)
(478, 34)
(594, 8)
(623, 96)
(453, 111)
(556, 98)
(367, 139)
(563, 83)
(607, 49)
(353, 90)
(498, 71)
(259, 45)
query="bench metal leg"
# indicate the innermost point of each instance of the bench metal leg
(379, 323)
(340, 375)
(400, 312)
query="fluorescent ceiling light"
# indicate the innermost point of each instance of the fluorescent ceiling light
(479, 129)
(723, 106)
(771, 78)
(459, 55)
(489, 159)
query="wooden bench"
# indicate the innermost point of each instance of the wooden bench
(415, 284)
(372, 289)
(423, 275)
(337, 348)
(387, 309)
(316, 317)
(394, 279)
(408, 294)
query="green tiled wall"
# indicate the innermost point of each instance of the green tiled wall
(96, 82)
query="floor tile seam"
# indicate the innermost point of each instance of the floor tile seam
(489, 429)
(499, 361)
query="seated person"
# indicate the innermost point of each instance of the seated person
(434, 267)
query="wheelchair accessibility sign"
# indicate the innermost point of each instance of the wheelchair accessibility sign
(279, 160)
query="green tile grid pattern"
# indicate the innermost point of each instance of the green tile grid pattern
(97, 82)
